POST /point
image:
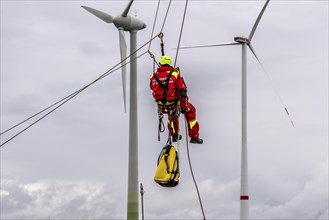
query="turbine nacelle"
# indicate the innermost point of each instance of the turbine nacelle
(128, 23)
(241, 40)
(122, 22)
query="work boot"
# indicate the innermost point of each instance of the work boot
(196, 141)
(176, 138)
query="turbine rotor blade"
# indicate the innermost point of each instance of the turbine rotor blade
(101, 15)
(257, 20)
(125, 12)
(272, 83)
(123, 54)
(210, 45)
(253, 51)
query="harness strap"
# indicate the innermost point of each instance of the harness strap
(164, 104)
(166, 154)
(167, 105)
(163, 84)
(161, 127)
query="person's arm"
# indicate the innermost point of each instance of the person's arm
(182, 89)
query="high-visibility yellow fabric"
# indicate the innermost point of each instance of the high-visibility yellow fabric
(167, 172)
(175, 74)
(171, 124)
(167, 105)
(192, 123)
(165, 60)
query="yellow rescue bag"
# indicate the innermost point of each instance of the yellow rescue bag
(167, 172)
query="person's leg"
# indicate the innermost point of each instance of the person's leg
(193, 125)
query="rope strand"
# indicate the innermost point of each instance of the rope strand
(190, 164)
(155, 18)
(69, 97)
(164, 21)
(181, 32)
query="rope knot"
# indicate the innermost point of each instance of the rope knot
(160, 35)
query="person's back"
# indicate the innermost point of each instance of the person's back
(168, 87)
(162, 74)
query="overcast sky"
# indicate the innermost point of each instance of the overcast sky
(73, 164)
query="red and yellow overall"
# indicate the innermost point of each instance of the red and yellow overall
(167, 101)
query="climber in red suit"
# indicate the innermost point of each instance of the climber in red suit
(169, 89)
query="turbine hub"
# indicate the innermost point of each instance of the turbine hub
(128, 23)
(242, 40)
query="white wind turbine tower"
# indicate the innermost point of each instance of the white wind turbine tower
(125, 22)
(244, 196)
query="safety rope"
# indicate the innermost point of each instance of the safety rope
(188, 152)
(74, 94)
(186, 129)
(142, 199)
(178, 133)
(160, 35)
(154, 22)
(154, 61)
(165, 18)
(181, 31)
(190, 164)
(71, 96)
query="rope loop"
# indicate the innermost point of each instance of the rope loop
(161, 126)
(160, 35)
(191, 170)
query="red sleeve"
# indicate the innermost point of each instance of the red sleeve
(181, 83)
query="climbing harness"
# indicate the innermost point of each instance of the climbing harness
(172, 112)
(163, 105)
(164, 85)
(167, 104)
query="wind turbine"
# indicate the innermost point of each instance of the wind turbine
(125, 22)
(244, 42)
